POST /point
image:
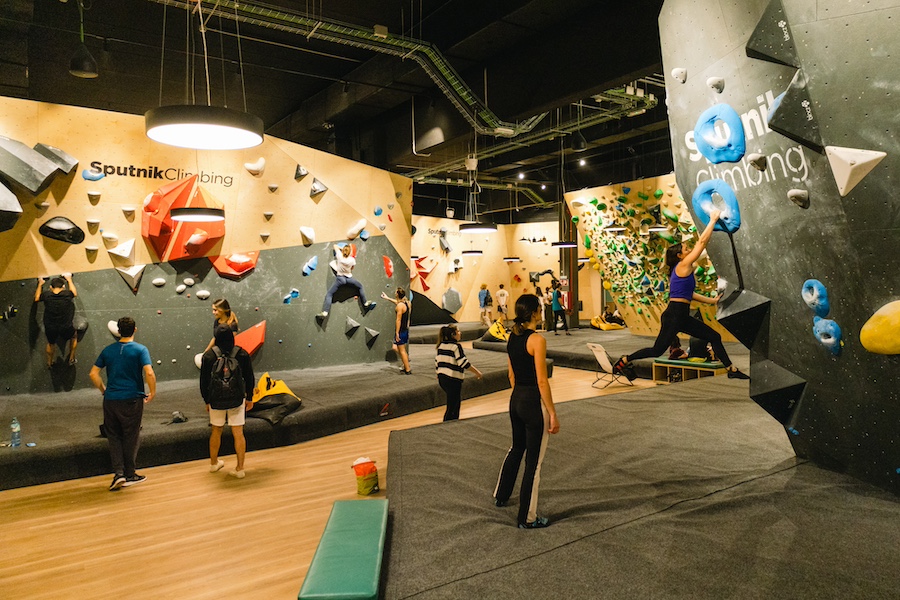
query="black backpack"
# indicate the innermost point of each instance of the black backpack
(488, 301)
(226, 386)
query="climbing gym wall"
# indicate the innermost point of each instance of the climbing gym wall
(86, 192)
(444, 269)
(783, 114)
(623, 231)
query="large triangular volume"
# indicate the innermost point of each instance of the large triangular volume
(132, 275)
(776, 390)
(746, 315)
(10, 209)
(772, 39)
(850, 165)
(794, 117)
(351, 326)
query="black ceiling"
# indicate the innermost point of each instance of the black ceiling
(519, 57)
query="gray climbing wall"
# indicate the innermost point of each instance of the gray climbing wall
(841, 409)
(169, 322)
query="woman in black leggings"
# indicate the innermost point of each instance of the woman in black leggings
(531, 413)
(676, 318)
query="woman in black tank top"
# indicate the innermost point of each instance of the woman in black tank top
(531, 413)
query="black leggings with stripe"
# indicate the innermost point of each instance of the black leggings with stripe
(529, 439)
(677, 319)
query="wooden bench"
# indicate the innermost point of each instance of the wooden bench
(347, 562)
(663, 368)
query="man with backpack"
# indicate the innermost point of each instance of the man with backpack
(226, 384)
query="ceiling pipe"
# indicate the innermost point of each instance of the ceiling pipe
(524, 190)
(426, 55)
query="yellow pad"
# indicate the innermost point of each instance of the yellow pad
(266, 386)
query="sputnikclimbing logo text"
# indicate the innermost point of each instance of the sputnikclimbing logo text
(99, 170)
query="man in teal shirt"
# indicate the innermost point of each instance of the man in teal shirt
(127, 366)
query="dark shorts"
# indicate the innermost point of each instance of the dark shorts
(56, 333)
(404, 338)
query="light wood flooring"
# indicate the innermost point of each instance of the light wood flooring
(186, 533)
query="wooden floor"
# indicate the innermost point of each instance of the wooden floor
(187, 533)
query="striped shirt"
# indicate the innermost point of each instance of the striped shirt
(451, 360)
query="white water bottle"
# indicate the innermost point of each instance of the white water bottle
(15, 433)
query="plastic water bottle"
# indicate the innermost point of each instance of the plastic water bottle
(15, 433)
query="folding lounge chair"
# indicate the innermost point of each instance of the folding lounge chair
(605, 372)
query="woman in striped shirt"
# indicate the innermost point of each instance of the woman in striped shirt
(451, 364)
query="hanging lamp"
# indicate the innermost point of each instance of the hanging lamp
(204, 126)
(82, 63)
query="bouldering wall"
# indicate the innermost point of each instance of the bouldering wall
(105, 212)
(439, 263)
(623, 232)
(783, 114)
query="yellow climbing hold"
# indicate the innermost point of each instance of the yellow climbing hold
(881, 333)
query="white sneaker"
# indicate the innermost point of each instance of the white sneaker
(217, 467)
(323, 314)
(236, 473)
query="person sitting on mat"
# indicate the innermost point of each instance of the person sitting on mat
(676, 318)
(531, 413)
(451, 364)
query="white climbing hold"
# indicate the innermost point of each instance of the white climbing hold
(132, 275)
(309, 235)
(680, 73)
(113, 327)
(716, 83)
(758, 161)
(256, 168)
(799, 197)
(93, 196)
(851, 165)
(196, 240)
(188, 282)
(91, 248)
(354, 231)
(382, 226)
(268, 215)
(128, 210)
(110, 236)
(390, 206)
(159, 282)
(180, 289)
(202, 294)
(273, 187)
(198, 359)
(264, 235)
(317, 187)
(124, 251)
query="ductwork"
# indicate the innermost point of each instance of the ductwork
(482, 119)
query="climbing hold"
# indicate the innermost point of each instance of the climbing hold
(264, 235)
(203, 294)
(174, 360)
(350, 326)
(113, 327)
(295, 293)
(799, 197)
(308, 235)
(658, 194)
(850, 165)
(132, 275)
(714, 148)
(381, 227)
(317, 188)
(287, 299)
(124, 252)
(188, 282)
(364, 235)
(159, 282)
(268, 215)
(388, 266)
(198, 359)
(730, 219)
(353, 232)
(256, 168)
(273, 187)
(300, 172)
(626, 190)
(63, 230)
(881, 333)
(815, 296)
(89, 175)
(758, 161)
(716, 83)
(680, 74)
(377, 211)
(828, 333)
(310, 266)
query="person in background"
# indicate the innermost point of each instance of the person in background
(59, 315)
(559, 310)
(544, 307)
(484, 303)
(451, 363)
(401, 327)
(531, 413)
(677, 318)
(502, 299)
(221, 410)
(128, 368)
(223, 316)
(611, 315)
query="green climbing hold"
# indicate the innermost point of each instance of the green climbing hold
(622, 199)
(667, 236)
(594, 201)
(640, 310)
(630, 212)
(658, 194)
(587, 242)
(601, 206)
(643, 196)
(670, 215)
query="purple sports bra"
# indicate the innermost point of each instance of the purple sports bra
(681, 287)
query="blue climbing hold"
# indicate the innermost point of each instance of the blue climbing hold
(287, 299)
(626, 190)
(310, 266)
(730, 219)
(364, 235)
(828, 333)
(378, 211)
(89, 175)
(710, 144)
(816, 297)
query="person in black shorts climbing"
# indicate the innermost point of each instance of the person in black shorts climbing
(59, 315)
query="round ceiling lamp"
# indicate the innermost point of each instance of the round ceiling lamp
(203, 127)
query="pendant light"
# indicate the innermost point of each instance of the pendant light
(204, 126)
(83, 64)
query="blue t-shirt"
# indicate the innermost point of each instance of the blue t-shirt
(124, 362)
(556, 304)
